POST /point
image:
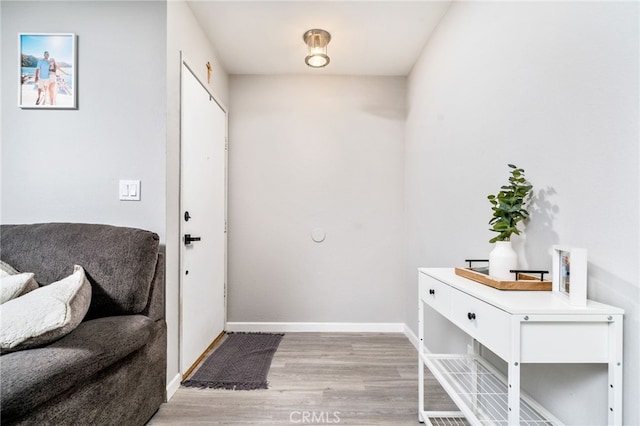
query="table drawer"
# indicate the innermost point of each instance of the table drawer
(482, 321)
(435, 294)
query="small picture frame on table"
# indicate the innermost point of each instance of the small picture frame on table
(569, 270)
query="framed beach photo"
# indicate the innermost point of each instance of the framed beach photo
(569, 270)
(48, 77)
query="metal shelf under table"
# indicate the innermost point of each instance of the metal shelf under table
(480, 391)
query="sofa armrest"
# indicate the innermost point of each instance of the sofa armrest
(155, 305)
(31, 377)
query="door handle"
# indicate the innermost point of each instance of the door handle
(188, 239)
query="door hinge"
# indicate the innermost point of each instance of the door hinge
(225, 226)
(226, 144)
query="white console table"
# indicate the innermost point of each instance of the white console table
(519, 327)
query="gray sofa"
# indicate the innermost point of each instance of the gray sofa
(110, 370)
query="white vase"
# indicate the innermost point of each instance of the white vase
(501, 260)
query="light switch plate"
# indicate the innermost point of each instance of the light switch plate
(129, 190)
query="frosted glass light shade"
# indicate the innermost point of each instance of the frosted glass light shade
(317, 41)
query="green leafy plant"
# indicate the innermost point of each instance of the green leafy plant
(508, 205)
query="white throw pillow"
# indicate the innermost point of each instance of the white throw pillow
(6, 269)
(12, 286)
(45, 314)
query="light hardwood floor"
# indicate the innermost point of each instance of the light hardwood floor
(319, 378)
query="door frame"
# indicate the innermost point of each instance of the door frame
(184, 63)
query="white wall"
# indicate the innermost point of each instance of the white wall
(552, 87)
(308, 152)
(64, 165)
(183, 35)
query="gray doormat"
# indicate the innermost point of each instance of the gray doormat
(241, 363)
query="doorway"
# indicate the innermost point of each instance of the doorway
(203, 183)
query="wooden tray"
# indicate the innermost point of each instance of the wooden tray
(526, 282)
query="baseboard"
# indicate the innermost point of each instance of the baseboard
(326, 327)
(173, 386)
(412, 337)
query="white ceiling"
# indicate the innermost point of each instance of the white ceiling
(368, 37)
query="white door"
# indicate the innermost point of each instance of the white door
(202, 203)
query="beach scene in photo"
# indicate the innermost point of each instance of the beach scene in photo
(60, 49)
(29, 89)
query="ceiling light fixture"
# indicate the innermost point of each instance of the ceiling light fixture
(317, 41)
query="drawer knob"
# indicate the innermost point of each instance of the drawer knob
(471, 315)
(432, 291)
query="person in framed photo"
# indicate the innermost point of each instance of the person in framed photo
(55, 80)
(42, 78)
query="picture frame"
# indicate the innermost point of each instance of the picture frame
(54, 87)
(569, 271)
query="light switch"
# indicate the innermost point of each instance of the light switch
(129, 190)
